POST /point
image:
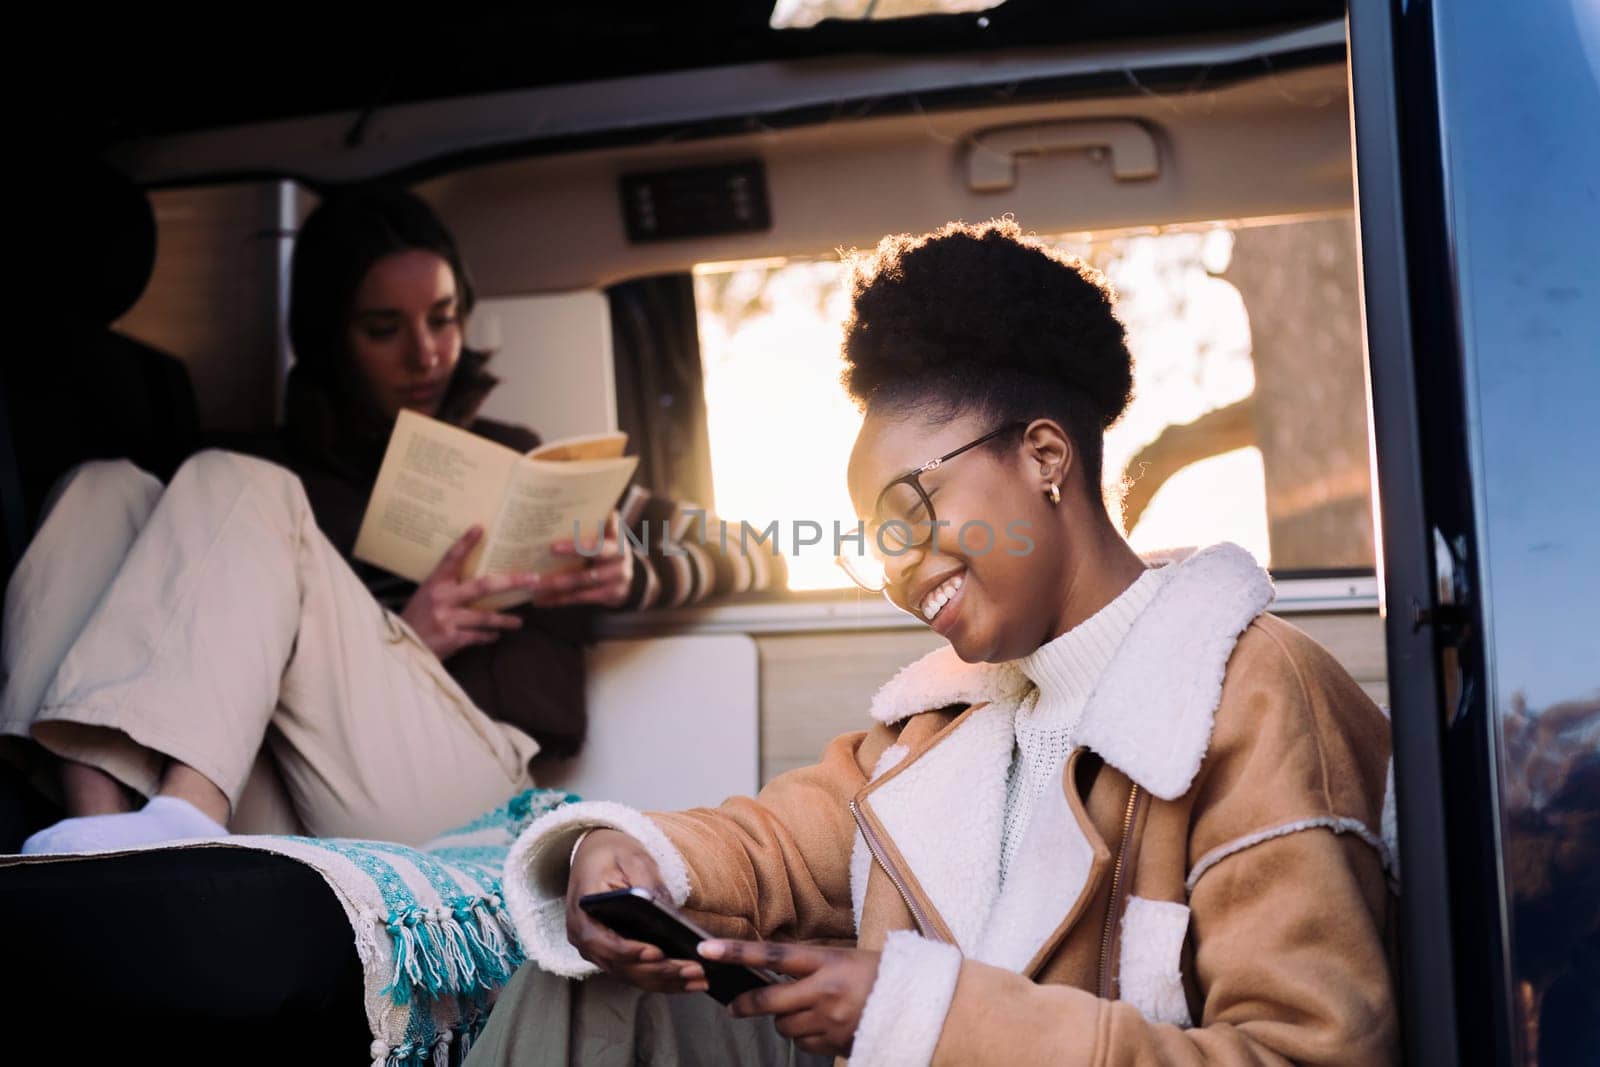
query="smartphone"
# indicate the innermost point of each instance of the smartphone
(638, 916)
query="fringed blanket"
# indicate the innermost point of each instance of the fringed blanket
(435, 941)
(434, 938)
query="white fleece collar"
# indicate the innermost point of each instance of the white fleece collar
(1151, 714)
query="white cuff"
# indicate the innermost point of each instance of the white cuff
(904, 1015)
(1149, 974)
(537, 866)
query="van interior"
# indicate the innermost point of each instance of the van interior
(662, 251)
(1209, 177)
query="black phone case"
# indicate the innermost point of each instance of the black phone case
(636, 915)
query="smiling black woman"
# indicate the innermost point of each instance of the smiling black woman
(1125, 817)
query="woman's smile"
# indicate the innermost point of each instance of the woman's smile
(938, 599)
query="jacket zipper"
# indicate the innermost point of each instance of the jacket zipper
(1113, 908)
(924, 927)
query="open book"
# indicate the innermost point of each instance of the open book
(437, 480)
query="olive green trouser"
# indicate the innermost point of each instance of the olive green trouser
(542, 1020)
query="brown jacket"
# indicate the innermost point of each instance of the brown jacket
(1210, 886)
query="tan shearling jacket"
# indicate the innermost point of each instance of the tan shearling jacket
(1211, 885)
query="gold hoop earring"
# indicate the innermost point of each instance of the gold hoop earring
(1055, 493)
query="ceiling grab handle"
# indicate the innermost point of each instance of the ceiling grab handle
(992, 157)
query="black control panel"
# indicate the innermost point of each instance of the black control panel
(673, 205)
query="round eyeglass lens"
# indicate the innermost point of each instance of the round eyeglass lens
(904, 519)
(865, 569)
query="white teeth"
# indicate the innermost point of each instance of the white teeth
(935, 601)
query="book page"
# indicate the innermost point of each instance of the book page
(436, 480)
(542, 503)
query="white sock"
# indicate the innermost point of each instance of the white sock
(161, 819)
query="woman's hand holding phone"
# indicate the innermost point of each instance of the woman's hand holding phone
(606, 860)
(821, 1010)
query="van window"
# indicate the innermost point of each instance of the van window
(1248, 423)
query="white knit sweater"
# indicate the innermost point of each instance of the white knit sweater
(1065, 672)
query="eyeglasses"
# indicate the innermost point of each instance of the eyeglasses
(902, 519)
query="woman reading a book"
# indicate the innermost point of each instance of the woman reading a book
(1125, 817)
(158, 638)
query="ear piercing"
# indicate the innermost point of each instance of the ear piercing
(1054, 492)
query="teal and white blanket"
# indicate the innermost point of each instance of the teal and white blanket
(435, 941)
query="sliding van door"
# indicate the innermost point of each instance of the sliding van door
(1478, 143)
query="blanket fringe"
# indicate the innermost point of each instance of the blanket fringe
(466, 950)
(431, 930)
(449, 1048)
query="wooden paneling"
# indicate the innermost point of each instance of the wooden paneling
(815, 686)
(214, 298)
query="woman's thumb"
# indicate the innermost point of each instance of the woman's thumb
(641, 871)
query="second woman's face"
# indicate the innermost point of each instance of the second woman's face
(986, 580)
(404, 331)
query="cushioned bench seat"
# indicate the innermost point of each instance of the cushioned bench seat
(209, 956)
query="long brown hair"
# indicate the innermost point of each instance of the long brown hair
(329, 414)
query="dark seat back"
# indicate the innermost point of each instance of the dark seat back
(90, 393)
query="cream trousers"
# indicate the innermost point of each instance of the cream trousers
(207, 621)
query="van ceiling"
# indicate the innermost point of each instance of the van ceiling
(1270, 146)
(409, 142)
(520, 125)
(139, 73)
